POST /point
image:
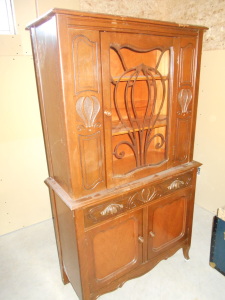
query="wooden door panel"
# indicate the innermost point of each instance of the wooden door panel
(168, 222)
(114, 248)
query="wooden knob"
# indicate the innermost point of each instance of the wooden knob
(151, 233)
(107, 113)
(141, 239)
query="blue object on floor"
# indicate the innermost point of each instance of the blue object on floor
(217, 253)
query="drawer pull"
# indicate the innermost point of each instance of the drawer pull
(141, 239)
(107, 113)
(176, 184)
(151, 233)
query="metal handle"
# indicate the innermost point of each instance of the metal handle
(151, 233)
(141, 239)
(107, 113)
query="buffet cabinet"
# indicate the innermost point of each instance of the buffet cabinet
(118, 100)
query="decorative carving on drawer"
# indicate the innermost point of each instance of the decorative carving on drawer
(112, 209)
(104, 211)
(88, 109)
(145, 195)
(184, 99)
(176, 184)
(135, 199)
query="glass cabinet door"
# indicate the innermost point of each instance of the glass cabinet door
(137, 78)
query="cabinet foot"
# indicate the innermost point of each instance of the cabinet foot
(65, 279)
(186, 252)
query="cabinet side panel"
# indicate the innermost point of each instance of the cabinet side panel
(45, 50)
(186, 100)
(68, 242)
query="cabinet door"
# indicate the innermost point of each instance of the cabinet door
(137, 74)
(114, 248)
(169, 222)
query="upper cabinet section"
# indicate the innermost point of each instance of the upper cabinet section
(118, 97)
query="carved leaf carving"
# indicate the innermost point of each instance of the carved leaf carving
(111, 209)
(88, 109)
(145, 195)
(137, 199)
(184, 99)
(176, 184)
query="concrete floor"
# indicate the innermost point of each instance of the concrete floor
(29, 269)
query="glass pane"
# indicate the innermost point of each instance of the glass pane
(139, 99)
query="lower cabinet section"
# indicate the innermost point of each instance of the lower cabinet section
(101, 245)
(118, 246)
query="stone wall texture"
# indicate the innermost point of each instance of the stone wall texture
(142, 9)
(210, 13)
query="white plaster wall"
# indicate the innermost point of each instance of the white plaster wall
(210, 133)
(24, 198)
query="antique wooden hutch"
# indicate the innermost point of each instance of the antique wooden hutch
(118, 100)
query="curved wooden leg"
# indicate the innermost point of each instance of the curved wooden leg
(186, 252)
(65, 279)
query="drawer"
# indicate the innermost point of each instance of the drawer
(124, 202)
